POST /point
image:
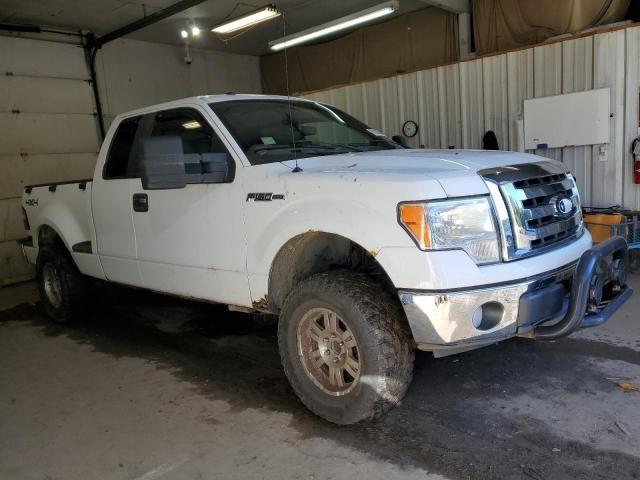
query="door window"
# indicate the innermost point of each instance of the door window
(202, 148)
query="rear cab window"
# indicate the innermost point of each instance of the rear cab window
(119, 162)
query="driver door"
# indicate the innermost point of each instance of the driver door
(190, 241)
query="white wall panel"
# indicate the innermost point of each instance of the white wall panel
(12, 267)
(21, 56)
(11, 219)
(449, 102)
(408, 105)
(389, 108)
(45, 133)
(577, 75)
(519, 87)
(472, 104)
(496, 107)
(547, 80)
(18, 171)
(609, 69)
(428, 108)
(45, 95)
(134, 74)
(374, 108)
(631, 191)
(356, 102)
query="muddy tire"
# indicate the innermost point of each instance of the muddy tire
(64, 291)
(345, 347)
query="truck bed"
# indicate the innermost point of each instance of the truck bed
(63, 206)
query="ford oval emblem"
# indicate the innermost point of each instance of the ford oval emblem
(564, 206)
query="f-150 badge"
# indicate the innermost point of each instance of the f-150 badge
(264, 197)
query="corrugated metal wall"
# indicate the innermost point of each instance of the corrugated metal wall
(454, 105)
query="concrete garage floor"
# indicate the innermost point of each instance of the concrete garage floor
(153, 387)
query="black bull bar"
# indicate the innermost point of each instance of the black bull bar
(598, 290)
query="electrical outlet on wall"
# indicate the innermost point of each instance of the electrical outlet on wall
(602, 153)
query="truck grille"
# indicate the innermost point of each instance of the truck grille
(537, 205)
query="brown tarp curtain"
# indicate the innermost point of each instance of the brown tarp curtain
(413, 41)
(504, 24)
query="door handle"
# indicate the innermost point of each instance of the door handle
(140, 202)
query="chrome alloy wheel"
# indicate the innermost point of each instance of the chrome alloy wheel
(52, 285)
(329, 351)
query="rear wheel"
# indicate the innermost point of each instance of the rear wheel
(63, 289)
(345, 347)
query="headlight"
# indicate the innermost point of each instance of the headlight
(466, 224)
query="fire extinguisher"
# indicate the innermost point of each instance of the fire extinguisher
(635, 149)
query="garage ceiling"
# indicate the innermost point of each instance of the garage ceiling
(103, 16)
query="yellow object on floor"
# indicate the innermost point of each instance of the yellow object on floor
(598, 225)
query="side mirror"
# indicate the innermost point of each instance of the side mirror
(400, 140)
(308, 130)
(163, 165)
(166, 166)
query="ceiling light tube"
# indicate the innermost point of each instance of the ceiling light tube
(328, 28)
(257, 16)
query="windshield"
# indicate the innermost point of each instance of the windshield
(276, 130)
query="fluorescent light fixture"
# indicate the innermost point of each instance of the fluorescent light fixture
(184, 34)
(257, 16)
(328, 28)
(191, 125)
(195, 31)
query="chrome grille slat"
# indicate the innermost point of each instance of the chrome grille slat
(547, 190)
(534, 195)
(542, 211)
(555, 228)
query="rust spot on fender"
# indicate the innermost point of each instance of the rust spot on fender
(261, 304)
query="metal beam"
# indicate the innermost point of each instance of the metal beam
(145, 22)
(454, 6)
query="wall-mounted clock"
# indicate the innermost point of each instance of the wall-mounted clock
(409, 128)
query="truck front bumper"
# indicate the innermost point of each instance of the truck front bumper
(547, 306)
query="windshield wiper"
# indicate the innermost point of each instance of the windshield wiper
(306, 148)
(374, 143)
(334, 146)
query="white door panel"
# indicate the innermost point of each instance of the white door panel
(190, 241)
(116, 241)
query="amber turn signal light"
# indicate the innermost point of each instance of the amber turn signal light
(412, 217)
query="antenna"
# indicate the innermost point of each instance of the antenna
(286, 76)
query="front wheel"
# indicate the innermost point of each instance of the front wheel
(345, 347)
(63, 289)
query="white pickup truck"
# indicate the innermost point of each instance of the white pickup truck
(364, 249)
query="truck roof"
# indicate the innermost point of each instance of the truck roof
(206, 99)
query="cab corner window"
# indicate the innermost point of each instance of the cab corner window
(121, 148)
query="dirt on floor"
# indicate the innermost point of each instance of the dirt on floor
(153, 387)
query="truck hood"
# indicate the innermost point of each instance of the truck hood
(455, 170)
